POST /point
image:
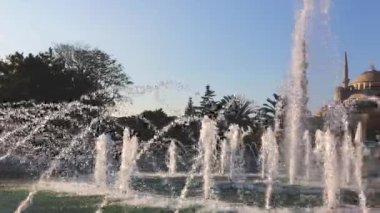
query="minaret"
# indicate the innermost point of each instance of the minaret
(346, 80)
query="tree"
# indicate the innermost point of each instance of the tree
(157, 117)
(65, 73)
(10, 78)
(271, 109)
(190, 110)
(34, 77)
(207, 105)
(237, 110)
(105, 74)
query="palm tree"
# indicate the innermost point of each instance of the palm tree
(269, 109)
(237, 110)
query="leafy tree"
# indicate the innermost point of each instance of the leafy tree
(34, 77)
(207, 105)
(190, 109)
(65, 73)
(104, 73)
(157, 117)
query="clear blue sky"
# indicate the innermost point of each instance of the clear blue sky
(238, 47)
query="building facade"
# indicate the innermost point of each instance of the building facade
(361, 97)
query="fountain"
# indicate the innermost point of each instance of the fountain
(224, 154)
(128, 160)
(271, 162)
(207, 143)
(100, 174)
(172, 161)
(347, 156)
(324, 168)
(297, 94)
(307, 140)
(358, 166)
(330, 165)
(235, 140)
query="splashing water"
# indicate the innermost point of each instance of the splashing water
(358, 166)
(66, 151)
(59, 111)
(128, 160)
(32, 133)
(190, 177)
(102, 205)
(297, 94)
(160, 133)
(100, 172)
(264, 152)
(9, 134)
(325, 6)
(224, 156)
(235, 140)
(347, 156)
(326, 151)
(207, 143)
(331, 176)
(172, 158)
(55, 163)
(269, 139)
(308, 152)
(26, 202)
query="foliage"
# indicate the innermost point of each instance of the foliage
(65, 73)
(269, 109)
(237, 110)
(190, 109)
(157, 117)
(207, 105)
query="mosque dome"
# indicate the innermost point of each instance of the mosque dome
(372, 76)
(357, 96)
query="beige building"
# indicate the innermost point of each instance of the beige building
(362, 96)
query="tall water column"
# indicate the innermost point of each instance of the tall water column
(331, 172)
(271, 152)
(128, 160)
(347, 156)
(100, 173)
(236, 152)
(172, 158)
(308, 154)
(224, 156)
(297, 93)
(207, 145)
(358, 166)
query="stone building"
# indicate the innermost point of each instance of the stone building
(362, 97)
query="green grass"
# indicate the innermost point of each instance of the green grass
(132, 209)
(51, 202)
(10, 199)
(57, 203)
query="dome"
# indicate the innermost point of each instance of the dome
(358, 96)
(368, 76)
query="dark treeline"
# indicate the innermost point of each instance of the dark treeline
(230, 109)
(63, 73)
(68, 73)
